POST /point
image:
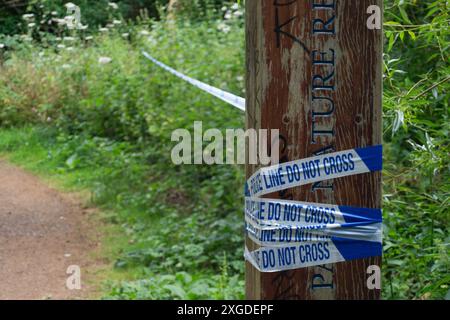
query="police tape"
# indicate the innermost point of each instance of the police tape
(296, 234)
(314, 169)
(229, 98)
(269, 213)
(280, 236)
(311, 253)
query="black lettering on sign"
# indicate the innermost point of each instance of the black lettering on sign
(323, 107)
(281, 28)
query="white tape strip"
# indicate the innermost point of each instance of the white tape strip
(274, 213)
(229, 98)
(309, 254)
(314, 169)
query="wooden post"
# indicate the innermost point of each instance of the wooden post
(314, 71)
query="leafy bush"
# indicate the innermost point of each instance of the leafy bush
(416, 127)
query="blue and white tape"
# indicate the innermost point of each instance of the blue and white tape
(314, 169)
(283, 213)
(295, 234)
(229, 98)
(280, 236)
(312, 253)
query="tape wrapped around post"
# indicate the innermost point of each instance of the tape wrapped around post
(294, 234)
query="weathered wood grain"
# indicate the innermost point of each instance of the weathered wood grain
(280, 50)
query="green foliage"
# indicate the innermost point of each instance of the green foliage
(94, 13)
(185, 228)
(416, 130)
(97, 13)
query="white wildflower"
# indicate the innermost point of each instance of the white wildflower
(81, 27)
(125, 35)
(227, 15)
(70, 39)
(70, 49)
(103, 30)
(224, 9)
(28, 16)
(66, 66)
(223, 27)
(144, 33)
(54, 13)
(238, 13)
(2, 45)
(89, 38)
(117, 22)
(31, 25)
(70, 5)
(60, 46)
(113, 5)
(104, 60)
(235, 6)
(60, 22)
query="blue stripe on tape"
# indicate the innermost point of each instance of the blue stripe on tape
(372, 157)
(352, 249)
(246, 190)
(354, 214)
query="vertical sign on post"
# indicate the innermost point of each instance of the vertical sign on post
(314, 71)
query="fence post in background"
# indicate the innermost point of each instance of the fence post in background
(314, 71)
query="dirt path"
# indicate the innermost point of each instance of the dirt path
(42, 233)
